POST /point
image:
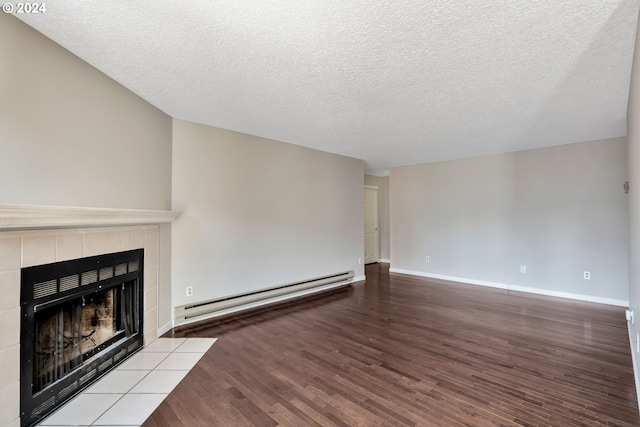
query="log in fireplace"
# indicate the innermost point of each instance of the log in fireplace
(80, 319)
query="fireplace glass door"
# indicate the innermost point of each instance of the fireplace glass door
(68, 335)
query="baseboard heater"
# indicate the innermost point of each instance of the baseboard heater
(212, 308)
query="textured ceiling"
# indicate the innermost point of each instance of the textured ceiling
(390, 82)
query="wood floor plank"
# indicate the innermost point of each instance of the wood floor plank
(406, 351)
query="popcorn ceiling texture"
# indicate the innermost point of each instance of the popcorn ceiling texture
(390, 82)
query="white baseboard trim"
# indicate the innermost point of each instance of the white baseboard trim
(359, 279)
(548, 292)
(386, 261)
(164, 329)
(634, 359)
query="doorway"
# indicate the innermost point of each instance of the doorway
(370, 224)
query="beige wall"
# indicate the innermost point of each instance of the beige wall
(383, 214)
(559, 211)
(72, 136)
(633, 157)
(259, 213)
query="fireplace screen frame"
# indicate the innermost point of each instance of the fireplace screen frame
(44, 287)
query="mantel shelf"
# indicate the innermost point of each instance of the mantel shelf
(25, 217)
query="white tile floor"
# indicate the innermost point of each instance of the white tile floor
(126, 396)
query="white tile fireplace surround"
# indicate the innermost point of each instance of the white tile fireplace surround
(26, 241)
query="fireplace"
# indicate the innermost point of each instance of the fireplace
(32, 235)
(80, 319)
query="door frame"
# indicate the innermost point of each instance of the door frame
(377, 234)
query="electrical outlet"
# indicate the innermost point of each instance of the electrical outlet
(587, 275)
(359, 261)
(427, 259)
(189, 291)
(523, 269)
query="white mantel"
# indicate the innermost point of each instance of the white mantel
(25, 217)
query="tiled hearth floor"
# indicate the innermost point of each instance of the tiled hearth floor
(127, 395)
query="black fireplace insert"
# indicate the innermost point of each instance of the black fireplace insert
(80, 319)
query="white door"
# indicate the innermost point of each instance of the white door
(370, 225)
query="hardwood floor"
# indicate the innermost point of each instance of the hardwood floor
(401, 350)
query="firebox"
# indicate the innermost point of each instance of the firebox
(80, 319)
